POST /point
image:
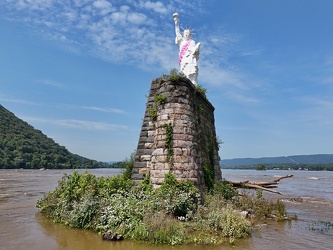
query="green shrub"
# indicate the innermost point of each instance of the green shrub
(160, 99)
(220, 219)
(174, 78)
(201, 90)
(152, 112)
(260, 207)
(83, 213)
(128, 163)
(76, 193)
(178, 198)
(121, 213)
(224, 189)
(160, 228)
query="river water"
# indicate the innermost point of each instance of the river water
(308, 194)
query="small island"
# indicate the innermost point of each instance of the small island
(156, 199)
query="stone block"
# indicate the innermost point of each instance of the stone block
(145, 157)
(193, 174)
(183, 144)
(149, 145)
(156, 181)
(159, 166)
(164, 117)
(177, 151)
(158, 173)
(181, 137)
(151, 133)
(143, 151)
(158, 151)
(150, 139)
(139, 164)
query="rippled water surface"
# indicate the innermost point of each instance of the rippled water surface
(308, 194)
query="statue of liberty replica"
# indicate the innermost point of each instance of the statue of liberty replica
(188, 52)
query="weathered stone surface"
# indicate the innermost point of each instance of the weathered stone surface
(145, 158)
(192, 145)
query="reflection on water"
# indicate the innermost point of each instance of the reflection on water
(76, 239)
(22, 227)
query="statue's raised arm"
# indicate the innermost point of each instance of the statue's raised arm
(177, 29)
(188, 52)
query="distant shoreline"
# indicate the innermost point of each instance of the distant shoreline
(301, 167)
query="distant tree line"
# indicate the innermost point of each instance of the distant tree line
(22, 146)
(286, 166)
(119, 164)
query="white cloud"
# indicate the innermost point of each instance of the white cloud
(93, 108)
(118, 17)
(156, 6)
(71, 15)
(107, 110)
(216, 75)
(125, 8)
(136, 18)
(78, 124)
(51, 83)
(15, 100)
(40, 5)
(102, 4)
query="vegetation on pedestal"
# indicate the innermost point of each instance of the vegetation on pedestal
(171, 214)
(175, 75)
(168, 143)
(201, 90)
(209, 164)
(152, 112)
(160, 99)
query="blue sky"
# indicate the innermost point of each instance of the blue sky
(80, 70)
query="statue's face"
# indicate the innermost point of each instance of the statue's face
(187, 34)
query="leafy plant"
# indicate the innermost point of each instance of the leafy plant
(225, 190)
(219, 142)
(221, 218)
(160, 99)
(168, 142)
(208, 166)
(152, 112)
(178, 198)
(201, 90)
(174, 78)
(128, 164)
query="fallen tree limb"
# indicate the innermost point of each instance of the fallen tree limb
(266, 186)
(262, 188)
(283, 177)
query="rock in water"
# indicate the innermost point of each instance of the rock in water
(112, 236)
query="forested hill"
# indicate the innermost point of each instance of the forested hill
(294, 159)
(22, 146)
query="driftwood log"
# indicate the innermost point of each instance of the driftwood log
(266, 186)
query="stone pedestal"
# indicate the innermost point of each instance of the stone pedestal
(177, 135)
